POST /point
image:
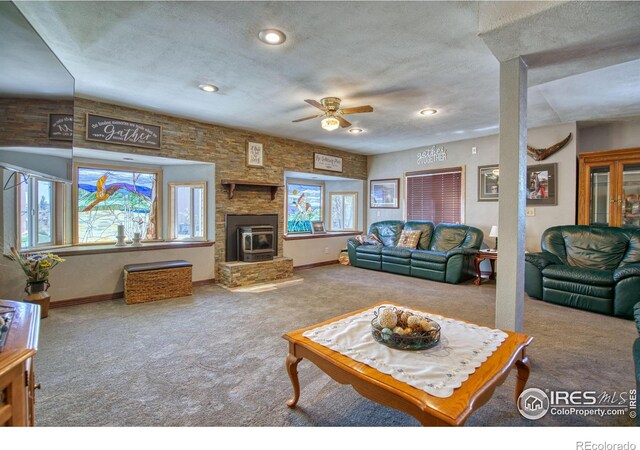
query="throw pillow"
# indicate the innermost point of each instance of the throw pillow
(368, 239)
(409, 239)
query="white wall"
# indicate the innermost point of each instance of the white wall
(99, 274)
(485, 214)
(611, 136)
(316, 250)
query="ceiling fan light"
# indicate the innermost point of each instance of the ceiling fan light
(330, 123)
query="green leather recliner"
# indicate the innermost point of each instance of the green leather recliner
(591, 268)
(444, 252)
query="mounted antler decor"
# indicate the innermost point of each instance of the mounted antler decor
(539, 154)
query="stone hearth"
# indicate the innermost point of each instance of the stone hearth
(237, 273)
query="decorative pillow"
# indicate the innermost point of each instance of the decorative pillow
(409, 239)
(368, 239)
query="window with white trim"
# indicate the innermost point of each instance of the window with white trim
(188, 211)
(40, 211)
(343, 214)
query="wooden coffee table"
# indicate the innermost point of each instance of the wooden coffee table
(388, 391)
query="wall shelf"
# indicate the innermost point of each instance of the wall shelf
(232, 184)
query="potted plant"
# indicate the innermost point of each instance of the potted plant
(37, 267)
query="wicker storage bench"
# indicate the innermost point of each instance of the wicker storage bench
(156, 281)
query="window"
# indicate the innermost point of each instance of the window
(108, 196)
(343, 212)
(304, 205)
(188, 210)
(38, 199)
(436, 195)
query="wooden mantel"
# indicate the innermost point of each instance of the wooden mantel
(231, 185)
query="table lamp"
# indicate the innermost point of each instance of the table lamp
(494, 233)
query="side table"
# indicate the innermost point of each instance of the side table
(481, 256)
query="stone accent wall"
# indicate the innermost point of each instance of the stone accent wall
(226, 147)
(24, 122)
(235, 274)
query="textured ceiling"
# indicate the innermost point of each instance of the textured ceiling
(400, 57)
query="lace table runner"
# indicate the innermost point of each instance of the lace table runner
(438, 371)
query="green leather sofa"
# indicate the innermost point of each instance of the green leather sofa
(444, 252)
(591, 268)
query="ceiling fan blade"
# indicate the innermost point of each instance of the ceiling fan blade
(307, 118)
(344, 123)
(315, 103)
(357, 109)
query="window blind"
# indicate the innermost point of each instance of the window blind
(435, 195)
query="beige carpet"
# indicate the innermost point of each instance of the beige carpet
(217, 358)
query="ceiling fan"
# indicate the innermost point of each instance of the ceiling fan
(333, 113)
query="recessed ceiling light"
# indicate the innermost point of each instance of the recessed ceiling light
(429, 112)
(356, 130)
(208, 87)
(272, 37)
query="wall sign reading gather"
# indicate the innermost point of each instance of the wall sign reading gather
(123, 132)
(435, 153)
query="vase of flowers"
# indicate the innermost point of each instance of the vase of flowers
(37, 267)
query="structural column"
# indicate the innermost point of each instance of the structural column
(512, 197)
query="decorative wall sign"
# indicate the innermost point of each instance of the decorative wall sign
(61, 127)
(488, 183)
(435, 153)
(327, 162)
(123, 132)
(384, 193)
(541, 185)
(255, 155)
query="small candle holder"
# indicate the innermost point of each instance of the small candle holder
(135, 242)
(120, 237)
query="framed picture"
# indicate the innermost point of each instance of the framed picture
(255, 155)
(384, 193)
(317, 227)
(541, 185)
(488, 183)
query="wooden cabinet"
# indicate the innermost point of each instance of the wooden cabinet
(17, 388)
(609, 188)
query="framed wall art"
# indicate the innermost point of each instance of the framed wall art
(255, 154)
(384, 193)
(317, 227)
(541, 185)
(488, 183)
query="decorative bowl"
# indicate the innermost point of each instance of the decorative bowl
(417, 340)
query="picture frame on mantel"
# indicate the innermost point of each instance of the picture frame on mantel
(488, 183)
(255, 154)
(384, 193)
(542, 185)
